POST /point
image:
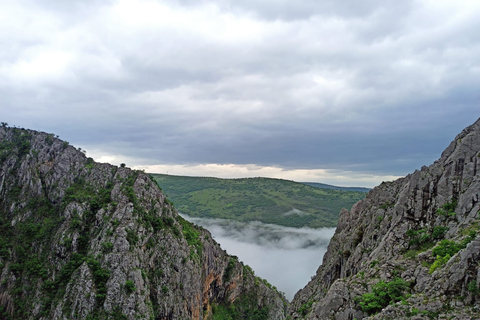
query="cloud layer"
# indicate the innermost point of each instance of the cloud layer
(375, 87)
(286, 257)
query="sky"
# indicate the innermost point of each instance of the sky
(286, 257)
(350, 93)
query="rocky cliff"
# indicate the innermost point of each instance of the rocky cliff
(84, 240)
(410, 250)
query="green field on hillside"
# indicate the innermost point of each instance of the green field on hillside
(276, 201)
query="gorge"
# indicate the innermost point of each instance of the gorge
(84, 240)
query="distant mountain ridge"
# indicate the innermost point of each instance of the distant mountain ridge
(268, 200)
(328, 186)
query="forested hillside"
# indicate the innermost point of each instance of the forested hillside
(267, 200)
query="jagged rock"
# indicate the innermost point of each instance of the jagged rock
(373, 243)
(84, 240)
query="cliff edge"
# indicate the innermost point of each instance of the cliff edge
(85, 240)
(410, 250)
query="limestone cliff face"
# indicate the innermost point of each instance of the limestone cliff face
(84, 240)
(396, 234)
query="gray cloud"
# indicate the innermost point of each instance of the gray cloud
(286, 257)
(375, 87)
(284, 10)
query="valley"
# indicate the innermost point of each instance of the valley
(274, 201)
(87, 241)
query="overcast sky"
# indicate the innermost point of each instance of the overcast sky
(343, 92)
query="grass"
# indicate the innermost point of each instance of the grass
(267, 200)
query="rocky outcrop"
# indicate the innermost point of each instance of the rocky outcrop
(84, 240)
(410, 250)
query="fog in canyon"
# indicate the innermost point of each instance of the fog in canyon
(286, 257)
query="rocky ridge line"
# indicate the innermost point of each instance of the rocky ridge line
(394, 240)
(85, 240)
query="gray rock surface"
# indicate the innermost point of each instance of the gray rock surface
(371, 244)
(84, 240)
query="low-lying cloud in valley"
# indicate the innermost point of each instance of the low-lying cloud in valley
(286, 257)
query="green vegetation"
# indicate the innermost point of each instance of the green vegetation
(192, 235)
(107, 247)
(448, 209)
(439, 232)
(473, 288)
(439, 261)
(305, 308)
(423, 238)
(267, 200)
(100, 278)
(130, 287)
(244, 307)
(383, 293)
(23, 243)
(82, 192)
(329, 186)
(387, 205)
(229, 270)
(89, 164)
(447, 248)
(19, 145)
(50, 245)
(132, 237)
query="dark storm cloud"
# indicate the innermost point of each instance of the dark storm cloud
(373, 87)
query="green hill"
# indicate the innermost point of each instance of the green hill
(329, 186)
(267, 200)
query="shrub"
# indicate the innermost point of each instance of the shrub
(448, 209)
(439, 261)
(132, 237)
(168, 221)
(305, 308)
(229, 270)
(100, 277)
(418, 237)
(471, 236)
(382, 294)
(107, 247)
(439, 232)
(89, 163)
(446, 247)
(473, 288)
(130, 286)
(387, 205)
